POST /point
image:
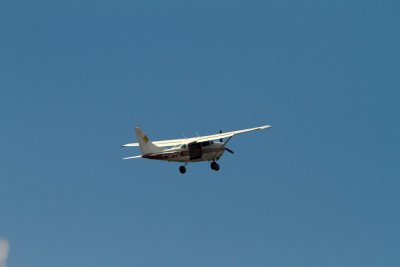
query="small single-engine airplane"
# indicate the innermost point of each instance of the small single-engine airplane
(194, 149)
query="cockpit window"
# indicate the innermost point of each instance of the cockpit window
(183, 146)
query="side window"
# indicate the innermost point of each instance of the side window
(183, 146)
(205, 143)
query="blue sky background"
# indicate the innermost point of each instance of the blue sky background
(321, 188)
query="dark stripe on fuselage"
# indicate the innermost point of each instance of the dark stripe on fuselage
(172, 155)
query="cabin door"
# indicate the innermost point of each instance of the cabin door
(195, 151)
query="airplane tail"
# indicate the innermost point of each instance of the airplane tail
(146, 146)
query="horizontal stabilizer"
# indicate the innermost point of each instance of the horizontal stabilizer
(134, 157)
(131, 145)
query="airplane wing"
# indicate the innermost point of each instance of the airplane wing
(173, 142)
(229, 134)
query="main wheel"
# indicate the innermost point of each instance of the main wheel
(217, 167)
(182, 169)
(214, 166)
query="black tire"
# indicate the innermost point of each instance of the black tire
(217, 167)
(182, 169)
(214, 166)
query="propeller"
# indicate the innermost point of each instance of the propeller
(229, 150)
(222, 140)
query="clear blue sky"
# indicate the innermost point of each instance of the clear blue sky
(321, 188)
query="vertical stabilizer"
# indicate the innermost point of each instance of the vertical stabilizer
(146, 146)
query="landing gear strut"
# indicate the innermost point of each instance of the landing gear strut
(214, 166)
(182, 169)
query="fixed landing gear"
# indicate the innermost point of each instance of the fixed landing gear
(182, 169)
(214, 166)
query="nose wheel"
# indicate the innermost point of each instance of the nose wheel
(214, 166)
(182, 169)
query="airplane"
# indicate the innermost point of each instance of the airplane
(195, 149)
